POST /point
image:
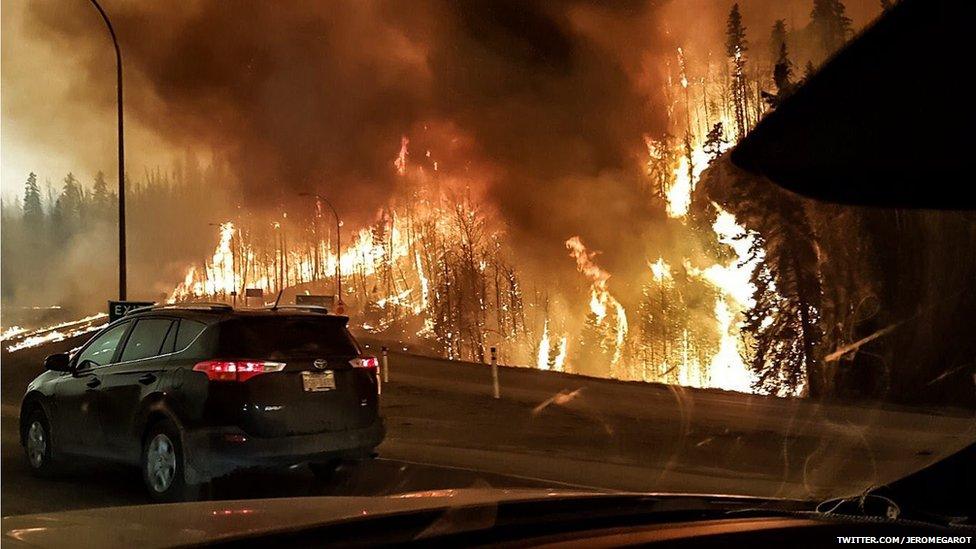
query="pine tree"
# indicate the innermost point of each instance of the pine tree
(782, 77)
(100, 197)
(808, 70)
(33, 212)
(662, 159)
(783, 324)
(49, 196)
(593, 357)
(736, 47)
(715, 142)
(830, 24)
(777, 38)
(783, 71)
(735, 33)
(67, 213)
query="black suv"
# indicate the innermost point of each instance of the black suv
(191, 393)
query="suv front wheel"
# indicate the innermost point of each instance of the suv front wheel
(37, 445)
(163, 469)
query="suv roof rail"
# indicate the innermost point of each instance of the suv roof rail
(309, 308)
(141, 309)
(196, 306)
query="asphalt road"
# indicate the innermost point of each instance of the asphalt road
(550, 429)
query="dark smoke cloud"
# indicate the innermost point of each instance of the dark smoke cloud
(548, 101)
(301, 96)
(557, 107)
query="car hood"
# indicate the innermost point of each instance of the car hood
(174, 524)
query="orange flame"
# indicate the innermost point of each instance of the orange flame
(401, 160)
(601, 301)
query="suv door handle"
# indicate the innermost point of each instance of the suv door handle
(147, 379)
(94, 382)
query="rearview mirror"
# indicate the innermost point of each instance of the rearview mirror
(58, 362)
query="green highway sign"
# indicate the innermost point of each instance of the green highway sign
(118, 309)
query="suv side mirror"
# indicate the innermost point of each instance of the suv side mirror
(58, 362)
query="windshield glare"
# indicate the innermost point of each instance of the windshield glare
(518, 225)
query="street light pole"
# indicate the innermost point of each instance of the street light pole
(338, 247)
(121, 139)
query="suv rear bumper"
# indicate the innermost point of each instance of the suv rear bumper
(217, 451)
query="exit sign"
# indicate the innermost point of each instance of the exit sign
(118, 309)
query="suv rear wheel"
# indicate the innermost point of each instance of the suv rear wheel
(163, 469)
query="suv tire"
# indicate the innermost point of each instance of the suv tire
(163, 465)
(38, 446)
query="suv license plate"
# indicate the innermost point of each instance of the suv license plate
(318, 381)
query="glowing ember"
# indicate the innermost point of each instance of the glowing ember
(682, 70)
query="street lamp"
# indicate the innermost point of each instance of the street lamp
(118, 75)
(338, 275)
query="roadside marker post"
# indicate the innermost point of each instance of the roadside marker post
(386, 365)
(494, 373)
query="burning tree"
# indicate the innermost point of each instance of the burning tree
(736, 46)
(604, 334)
(783, 324)
(434, 270)
(672, 346)
(734, 306)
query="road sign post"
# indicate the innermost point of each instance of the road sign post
(386, 365)
(252, 292)
(496, 390)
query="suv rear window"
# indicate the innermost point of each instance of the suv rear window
(188, 331)
(146, 338)
(285, 338)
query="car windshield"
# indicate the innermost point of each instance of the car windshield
(556, 245)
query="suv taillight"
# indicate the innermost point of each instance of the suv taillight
(370, 362)
(236, 370)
